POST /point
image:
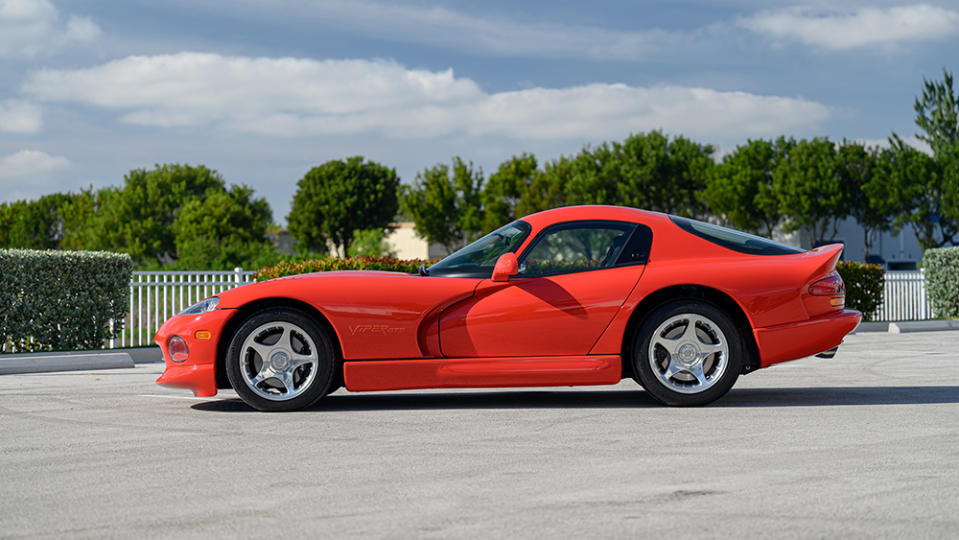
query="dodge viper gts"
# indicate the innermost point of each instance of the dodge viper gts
(581, 295)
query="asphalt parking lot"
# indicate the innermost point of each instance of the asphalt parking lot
(864, 445)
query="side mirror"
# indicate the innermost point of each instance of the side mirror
(505, 267)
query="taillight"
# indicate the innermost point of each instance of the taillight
(179, 351)
(830, 285)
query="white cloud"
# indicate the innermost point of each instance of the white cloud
(864, 27)
(488, 34)
(290, 96)
(29, 28)
(19, 117)
(27, 164)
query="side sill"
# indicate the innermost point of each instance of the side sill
(482, 372)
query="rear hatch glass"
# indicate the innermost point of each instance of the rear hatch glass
(734, 240)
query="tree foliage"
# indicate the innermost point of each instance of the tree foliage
(859, 168)
(370, 243)
(923, 190)
(223, 230)
(445, 203)
(810, 190)
(338, 197)
(138, 218)
(741, 187)
(35, 224)
(937, 114)
(919, 191)
(505, 188)
(663, 174)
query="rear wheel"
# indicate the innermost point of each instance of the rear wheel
(687, 353)
(280, 360)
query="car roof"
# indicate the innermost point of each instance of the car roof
(592, 212)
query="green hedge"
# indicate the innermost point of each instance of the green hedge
(864, 286)
(61, 300)
(329, 264)
(942, 281)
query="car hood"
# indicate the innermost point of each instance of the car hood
(360, 282)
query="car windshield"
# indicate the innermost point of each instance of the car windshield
(734, 240)
(478, 258)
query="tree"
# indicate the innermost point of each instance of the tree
(596, 176)
(937, 114)
(9, 217)
(138, 218)
(446, 203)
(78, 214)
(810, 191)
(36, 224)
(858, 167)
(741, 188)
(647, 170)
(506, 188)
(924, 190)
(223, 230)
(920, 190)
(371, 243)
(338, 197)
(663, 174)
(547, 189)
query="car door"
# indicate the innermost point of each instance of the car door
(573, 278)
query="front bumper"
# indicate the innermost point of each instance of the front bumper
(198, 372)
(790, 341)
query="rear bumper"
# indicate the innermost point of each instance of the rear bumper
(785, 342)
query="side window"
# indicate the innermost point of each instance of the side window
(576, 247)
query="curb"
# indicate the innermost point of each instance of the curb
(871, 327)
(923, 326)
(47, 362)
(905, 327)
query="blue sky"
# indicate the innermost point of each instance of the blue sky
(262, 90)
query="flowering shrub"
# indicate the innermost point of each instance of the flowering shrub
(329, 264)
(864, 286)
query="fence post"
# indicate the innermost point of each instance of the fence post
(237, 274)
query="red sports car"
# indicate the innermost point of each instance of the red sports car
(573, 296)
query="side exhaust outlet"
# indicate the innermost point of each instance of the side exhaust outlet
(828, 354)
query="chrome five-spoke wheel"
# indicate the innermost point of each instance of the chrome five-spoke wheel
(280, 359)
(687, 352)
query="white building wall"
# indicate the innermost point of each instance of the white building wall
(896, 250)
(406, 244)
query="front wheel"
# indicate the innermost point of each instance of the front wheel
(687, 353)
(280, 360)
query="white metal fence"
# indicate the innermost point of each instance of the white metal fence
(157, 296)
(904, 298)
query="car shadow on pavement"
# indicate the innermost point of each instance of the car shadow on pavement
(615, 399)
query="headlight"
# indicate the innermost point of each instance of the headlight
(201, 307)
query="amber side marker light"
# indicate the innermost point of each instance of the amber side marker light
(202, 334)
(179, 351)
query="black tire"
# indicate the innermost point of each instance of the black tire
(687, 369)
(299, 366)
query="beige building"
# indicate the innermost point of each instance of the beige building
(406, 244)
(403, 241)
